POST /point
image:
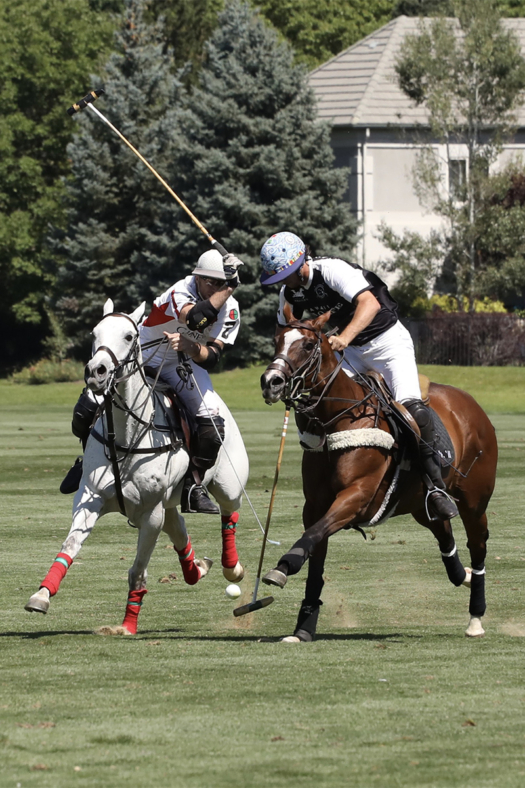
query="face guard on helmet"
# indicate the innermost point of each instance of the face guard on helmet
(281, 255)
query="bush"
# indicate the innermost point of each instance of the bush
(49, 371)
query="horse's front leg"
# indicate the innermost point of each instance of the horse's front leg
(87, 509)
(309, 612)
(348, 507)
(193, 569)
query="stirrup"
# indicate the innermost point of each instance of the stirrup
(195, 500)
(439, 502)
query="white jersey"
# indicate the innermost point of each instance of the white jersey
(165, 316)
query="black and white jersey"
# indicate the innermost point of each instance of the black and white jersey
(333, 285)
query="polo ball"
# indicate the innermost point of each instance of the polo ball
(232, 591)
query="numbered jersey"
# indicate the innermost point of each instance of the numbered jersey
(165, 313)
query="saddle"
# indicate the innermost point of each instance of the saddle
(178, 417)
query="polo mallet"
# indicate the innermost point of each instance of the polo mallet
(257, 604)
(87, 101)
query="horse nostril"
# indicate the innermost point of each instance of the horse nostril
(101, 370)
(276, 382)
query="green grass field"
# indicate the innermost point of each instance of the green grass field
(390, 694)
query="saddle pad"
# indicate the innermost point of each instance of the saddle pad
(444, 446)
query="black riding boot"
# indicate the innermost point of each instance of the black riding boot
(205, 444)
(438, 502)
(83, 416)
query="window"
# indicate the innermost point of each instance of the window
(457, 178)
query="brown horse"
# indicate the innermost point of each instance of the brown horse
(356, 480)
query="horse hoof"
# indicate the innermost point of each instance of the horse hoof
(275, 578)
(468, 578)
(39, 602)
(291, 639)
(120, 630)
(204, 565)
(474, 629)
(233, 573)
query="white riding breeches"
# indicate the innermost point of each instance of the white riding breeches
(197, 394)
(392, 354)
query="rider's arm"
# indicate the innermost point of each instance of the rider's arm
(202, 314)
(205, 355)
(367, 308)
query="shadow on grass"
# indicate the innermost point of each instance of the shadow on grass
(179, 634)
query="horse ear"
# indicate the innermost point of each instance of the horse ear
(108, 307)
(138, 314)
(288, 313)
(321, 320)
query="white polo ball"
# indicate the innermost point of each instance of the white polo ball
(232, 591)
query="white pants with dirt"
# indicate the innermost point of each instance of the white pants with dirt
(392, 354)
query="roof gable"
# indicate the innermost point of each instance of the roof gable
(358, 87)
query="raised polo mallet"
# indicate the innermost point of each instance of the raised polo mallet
(87, 101)
(257, 604)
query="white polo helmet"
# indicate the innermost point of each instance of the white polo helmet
(210, 264)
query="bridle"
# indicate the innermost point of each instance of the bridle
(302, 395)
(113, 398)
(130, 359)
(297, 390)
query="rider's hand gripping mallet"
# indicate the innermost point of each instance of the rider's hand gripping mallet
(87, 101)
(257, 604)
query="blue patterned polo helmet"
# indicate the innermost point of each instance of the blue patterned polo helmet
(281, 255)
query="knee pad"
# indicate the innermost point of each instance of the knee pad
(83, 416)
(207, 440)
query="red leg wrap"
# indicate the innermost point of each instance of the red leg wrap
(133, 610)
(190, 570)
(57, 573)
(229, 550)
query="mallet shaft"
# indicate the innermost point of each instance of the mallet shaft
(272, 498)
(159, 177)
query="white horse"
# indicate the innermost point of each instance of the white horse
(151, 469)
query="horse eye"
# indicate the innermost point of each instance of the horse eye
(128, 337)
(309, 345)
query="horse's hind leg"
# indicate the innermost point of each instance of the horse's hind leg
(193, 569)
(309, 612)
(86, 511)
(442, 530)
(227, 489)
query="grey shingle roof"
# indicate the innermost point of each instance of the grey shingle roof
(358, 87)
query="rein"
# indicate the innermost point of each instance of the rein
(113, 398)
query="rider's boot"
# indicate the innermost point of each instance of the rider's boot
(205, 444)
(438, 502)
(84, 414)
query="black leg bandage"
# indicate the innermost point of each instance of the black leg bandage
(478, 604)
(307, 621)
(455, 569)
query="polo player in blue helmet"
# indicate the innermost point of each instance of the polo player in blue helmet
(370, 336)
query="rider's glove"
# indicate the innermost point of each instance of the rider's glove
(231, 265)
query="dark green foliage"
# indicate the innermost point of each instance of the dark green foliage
(320, 29)
(117, 242)
(422, 8)
(187, 26)
(243, 150)
(46, 52)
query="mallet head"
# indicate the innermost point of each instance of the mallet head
(249, 608)
(89, 99)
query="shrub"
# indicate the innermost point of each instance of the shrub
(49, 371)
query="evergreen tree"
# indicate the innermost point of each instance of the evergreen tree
(254, 160)
(117, 243)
